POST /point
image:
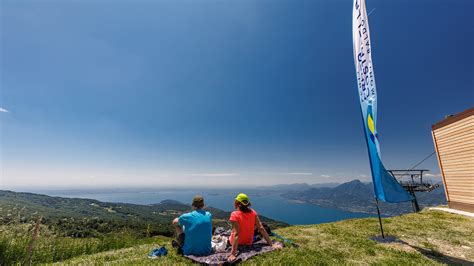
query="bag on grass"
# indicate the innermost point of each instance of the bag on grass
(157, 252)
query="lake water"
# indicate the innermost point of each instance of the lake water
(266, 203)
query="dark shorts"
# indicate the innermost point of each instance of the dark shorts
(180, 239)
(178, 243)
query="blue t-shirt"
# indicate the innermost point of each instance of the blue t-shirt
(198, 232)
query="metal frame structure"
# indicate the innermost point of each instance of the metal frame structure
(412, 181)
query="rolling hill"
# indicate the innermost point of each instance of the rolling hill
(69, 227)
(87, 217)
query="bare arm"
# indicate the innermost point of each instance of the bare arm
(235, 243)
(262, 231)
(177, 226)
(176, 222)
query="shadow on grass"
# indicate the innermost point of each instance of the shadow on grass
(440, 257)
(431, 254)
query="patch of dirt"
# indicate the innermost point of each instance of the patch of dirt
(450, 249)
(439, 250)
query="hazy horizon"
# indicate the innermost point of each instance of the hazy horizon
(138, 188)
(145, 188)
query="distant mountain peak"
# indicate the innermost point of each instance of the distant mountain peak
(355, 181)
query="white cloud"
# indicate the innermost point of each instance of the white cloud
(3, 110)
(325, 176)
(299, 173)
(215, 174)
(432, 175)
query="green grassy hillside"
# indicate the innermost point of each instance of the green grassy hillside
(92, 218)
(72, 227)
(429, 237)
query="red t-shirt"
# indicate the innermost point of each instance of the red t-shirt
(246, 221)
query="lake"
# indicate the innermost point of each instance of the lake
(267, 203)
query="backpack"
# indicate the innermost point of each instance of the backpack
(256, 234)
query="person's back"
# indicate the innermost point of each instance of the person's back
(246, 221)
(194, 230)
(198, 232)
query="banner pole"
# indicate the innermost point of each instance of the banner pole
(380, 219)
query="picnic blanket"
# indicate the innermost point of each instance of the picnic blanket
(245, 253)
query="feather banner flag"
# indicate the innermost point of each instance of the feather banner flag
(386, 187)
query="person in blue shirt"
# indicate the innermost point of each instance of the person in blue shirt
(194, 230)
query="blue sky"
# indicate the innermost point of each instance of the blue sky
(221, 93)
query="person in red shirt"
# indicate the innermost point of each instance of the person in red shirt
(244, 220)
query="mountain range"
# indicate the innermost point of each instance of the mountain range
(356, 196)
(296, 186)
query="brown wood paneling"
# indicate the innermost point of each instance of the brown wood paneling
(454, 118)
(461, 191)
(460, 195)
(460, 130)
(456, 171)
(459, 179)
(454, 136)
(464, 161)
(454, 165)
(459, 182)
(450, 147)
(459, 148)
(461, 206)
(458, 126)
(457, 134)
(464, 138)
(461, 199)
(446, 192)
(463, 144)
(454, 145)
(458, 168)
(456, 180)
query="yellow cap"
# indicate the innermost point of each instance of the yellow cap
(242, 198)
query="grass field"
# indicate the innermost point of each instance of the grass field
(429, 237)
(49, 247)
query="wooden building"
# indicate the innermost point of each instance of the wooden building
(453, 138)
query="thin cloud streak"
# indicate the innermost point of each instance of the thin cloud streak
(432, 175)
(3, 110)
(215, 174)
(299, 173)
(325, 176)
